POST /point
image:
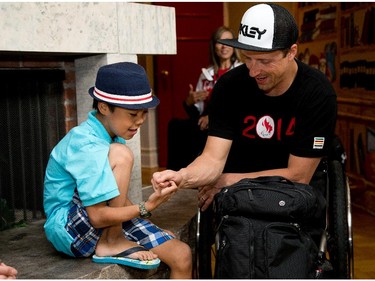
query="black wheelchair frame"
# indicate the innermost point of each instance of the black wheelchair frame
(336, 257)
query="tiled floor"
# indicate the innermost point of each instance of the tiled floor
(364, 244)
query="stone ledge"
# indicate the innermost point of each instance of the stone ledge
(27, 249)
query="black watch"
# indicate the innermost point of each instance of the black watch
(143, 211)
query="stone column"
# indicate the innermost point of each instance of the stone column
(86, 69)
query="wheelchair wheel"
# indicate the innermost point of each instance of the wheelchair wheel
(205, 244)
(340, 243)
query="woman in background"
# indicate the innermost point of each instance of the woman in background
(186, 138)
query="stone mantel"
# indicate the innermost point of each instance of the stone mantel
(87, 27)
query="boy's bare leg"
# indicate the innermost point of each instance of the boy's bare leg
(112, 240)
(177, 255)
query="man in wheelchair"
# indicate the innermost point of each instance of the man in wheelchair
(272, 116)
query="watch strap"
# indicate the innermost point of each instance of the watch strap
(144, 213)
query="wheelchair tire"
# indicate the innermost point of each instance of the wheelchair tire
(205, 240)
(339, 244)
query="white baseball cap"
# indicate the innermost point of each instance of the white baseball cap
(265, 28)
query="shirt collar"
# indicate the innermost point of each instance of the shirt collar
(102, 132)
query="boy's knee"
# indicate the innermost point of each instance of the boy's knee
(120, 154)
(184, 255)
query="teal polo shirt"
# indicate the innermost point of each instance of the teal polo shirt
(79, 161)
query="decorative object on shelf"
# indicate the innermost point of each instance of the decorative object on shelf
(357, 74)
(318, 22)
(325, 62)
(368, 31)
(330, 51)
(347, 57)
(358, 28)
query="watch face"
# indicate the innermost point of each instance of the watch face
(145, 216)
(143, 211)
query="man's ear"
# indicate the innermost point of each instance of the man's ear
(293, 51)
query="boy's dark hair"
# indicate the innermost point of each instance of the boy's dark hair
(96, 102)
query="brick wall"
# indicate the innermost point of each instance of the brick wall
(15, 61)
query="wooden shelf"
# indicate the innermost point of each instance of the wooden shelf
(358, 49)
(309, 6)
(358, 7)
(356, 106)
(332, 36)
(360, 96)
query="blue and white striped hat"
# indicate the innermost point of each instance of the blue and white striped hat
(124, 84)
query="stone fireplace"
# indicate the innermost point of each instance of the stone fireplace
(71, 40)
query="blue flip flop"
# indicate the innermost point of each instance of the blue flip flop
(122, 259)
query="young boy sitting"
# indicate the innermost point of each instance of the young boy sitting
(87, 179)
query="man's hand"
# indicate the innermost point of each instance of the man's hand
(206, 195)
(163, 179)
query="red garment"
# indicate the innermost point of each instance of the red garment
(220, 72)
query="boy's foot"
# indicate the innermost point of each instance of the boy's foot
(111, 247)
(123, 259)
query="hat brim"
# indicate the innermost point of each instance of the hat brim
(153, 103)
(235, 44)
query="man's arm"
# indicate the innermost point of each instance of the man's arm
(300, 169)
(204, 170)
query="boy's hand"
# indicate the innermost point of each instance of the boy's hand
(161, 195)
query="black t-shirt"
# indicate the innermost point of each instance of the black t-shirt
(265, 130)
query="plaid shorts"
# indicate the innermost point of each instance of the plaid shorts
(86, 236)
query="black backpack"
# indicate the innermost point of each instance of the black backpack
(261, 229)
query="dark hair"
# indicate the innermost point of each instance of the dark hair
(214, 58)
(96, 102)
(285, 51)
